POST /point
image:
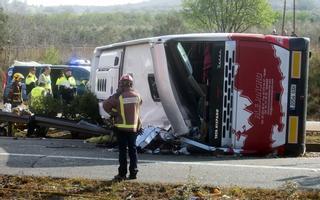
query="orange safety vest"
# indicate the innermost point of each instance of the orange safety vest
(126, 108)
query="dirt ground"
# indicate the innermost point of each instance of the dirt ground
(26, 187)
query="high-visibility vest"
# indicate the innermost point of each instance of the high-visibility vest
(67, 82)
(31, 78)
(46, 79)
(38, 92)
(127, 104)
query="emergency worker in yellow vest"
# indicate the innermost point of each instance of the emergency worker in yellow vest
(125, 105)
(15, 93)
(31, 80)
(46, 79)
(36, 94)
(67, 86)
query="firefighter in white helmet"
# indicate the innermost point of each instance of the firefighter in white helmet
(125, 107)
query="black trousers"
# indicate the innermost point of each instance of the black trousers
(127, 139)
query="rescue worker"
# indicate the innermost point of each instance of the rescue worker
(46, 79)
(67, 86)
(125, 106)
(37, 93)
(31, 80)
(15, 93)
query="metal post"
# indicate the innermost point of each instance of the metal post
(294, 16)
(283, 16)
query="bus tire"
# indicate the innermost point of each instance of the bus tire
(295, 150)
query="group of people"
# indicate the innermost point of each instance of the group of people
(42, 86)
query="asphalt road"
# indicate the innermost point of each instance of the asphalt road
(73, 158)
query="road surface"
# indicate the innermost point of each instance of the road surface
(73, 158)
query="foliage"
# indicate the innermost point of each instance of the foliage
(83, 107)
(228, 15)
(314, 87)
(91, 29)
(3, 28)
(46, 106)
(52, 56)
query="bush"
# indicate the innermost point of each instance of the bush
(83, 107)
(46, 106)
(313, 87)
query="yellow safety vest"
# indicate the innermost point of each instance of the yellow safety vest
(31, 78)
(36, 94)
(67, 82)
(46, 79)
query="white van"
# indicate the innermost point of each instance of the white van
(241, 91)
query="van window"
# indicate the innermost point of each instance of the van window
(81, 75)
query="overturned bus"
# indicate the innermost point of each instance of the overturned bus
(244, 92)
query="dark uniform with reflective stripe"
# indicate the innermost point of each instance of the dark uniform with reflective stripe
(125, 106)
(15, 94)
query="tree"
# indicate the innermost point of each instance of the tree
(228, 15)
(3, 28)
(52, 56)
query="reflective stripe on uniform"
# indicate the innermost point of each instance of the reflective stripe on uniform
(126, 125)
(122, 110)
(129, 100)
(124, 122)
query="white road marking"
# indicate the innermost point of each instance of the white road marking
(204, 163)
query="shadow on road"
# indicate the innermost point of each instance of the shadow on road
(303, 181)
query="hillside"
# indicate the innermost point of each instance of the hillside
(147, 5)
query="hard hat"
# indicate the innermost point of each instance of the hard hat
(126, 77)
(18, 76)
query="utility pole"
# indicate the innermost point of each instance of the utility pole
(294, 16)
(283, 16)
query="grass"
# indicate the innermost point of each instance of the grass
(27, 187)
(313, 138)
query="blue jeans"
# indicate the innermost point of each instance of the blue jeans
(127, 139)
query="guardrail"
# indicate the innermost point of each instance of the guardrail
(313, 126)
(79, 127)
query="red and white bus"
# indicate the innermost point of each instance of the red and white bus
(245, 92)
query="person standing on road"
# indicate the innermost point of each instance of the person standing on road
(46, 79)
(31, 80)
(125, 107)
